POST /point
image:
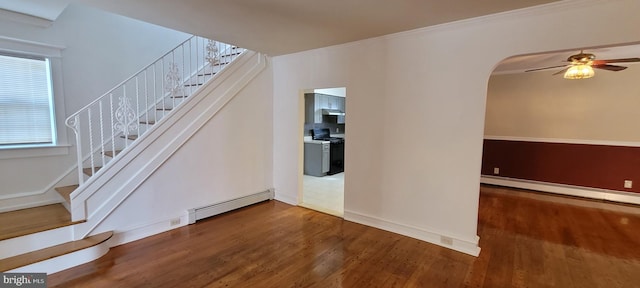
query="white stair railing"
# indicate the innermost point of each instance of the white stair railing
(111, 123)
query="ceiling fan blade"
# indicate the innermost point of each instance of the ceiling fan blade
(609, 67)
(562, 71)
(621, 60)
(545, 68)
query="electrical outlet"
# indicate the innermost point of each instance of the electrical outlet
(175, 222)
(628, 184)
(496, 170)
(446, 240)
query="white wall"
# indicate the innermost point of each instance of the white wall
(230, 157)
(541, 106)
(416, 111)
(101, 50)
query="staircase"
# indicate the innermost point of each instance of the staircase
(110, 133)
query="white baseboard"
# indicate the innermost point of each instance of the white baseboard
(286, 199)
(146, 230)
(460, 245)
(30, 201)
(586, 192)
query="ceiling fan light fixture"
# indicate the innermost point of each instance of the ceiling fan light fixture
(580, 71)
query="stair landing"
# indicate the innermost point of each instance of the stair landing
(32, 220)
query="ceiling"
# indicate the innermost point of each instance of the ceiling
(279, 27)
(46, 9)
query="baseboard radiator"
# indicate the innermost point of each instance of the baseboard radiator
(226, 206)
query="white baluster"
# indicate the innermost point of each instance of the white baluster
(91, 142)
(146, 97)
(137, 105)
(113, 131)
(102, 142)
(125, 118)
(191, 67)
(74, 124)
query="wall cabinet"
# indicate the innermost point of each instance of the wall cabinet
(341, 106)
(314, 103)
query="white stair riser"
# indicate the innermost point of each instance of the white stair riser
(66, 261)
(32, 242)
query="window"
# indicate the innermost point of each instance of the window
(26, 102)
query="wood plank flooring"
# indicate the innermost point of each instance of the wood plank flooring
(26, 221)
(526, 242)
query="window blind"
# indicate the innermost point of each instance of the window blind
(25, 101)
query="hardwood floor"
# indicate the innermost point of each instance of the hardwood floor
(26, 221)
(526, 242)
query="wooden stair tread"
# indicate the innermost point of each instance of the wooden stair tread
(89, 172)
(53, 251)
(112, 153)
(179, 96)
(66, 191)
(130, 137)
(164, 108)
(225, 63)
(150, 122)
(32, 220)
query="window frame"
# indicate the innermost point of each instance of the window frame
(53, 54)
(49, 100)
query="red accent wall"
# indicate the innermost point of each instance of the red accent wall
(597, 166)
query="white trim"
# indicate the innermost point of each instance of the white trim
(465, 246)
(24, 18)
(31, 204)
(564, 141)
(33, 151)
(138, 232)
(48, 188)
(54, 53)
(286, 199)
(36, 241)
(586, 192)
(15, 45)
(66, 261)
(134, 165)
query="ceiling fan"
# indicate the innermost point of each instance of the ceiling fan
(581, 65)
